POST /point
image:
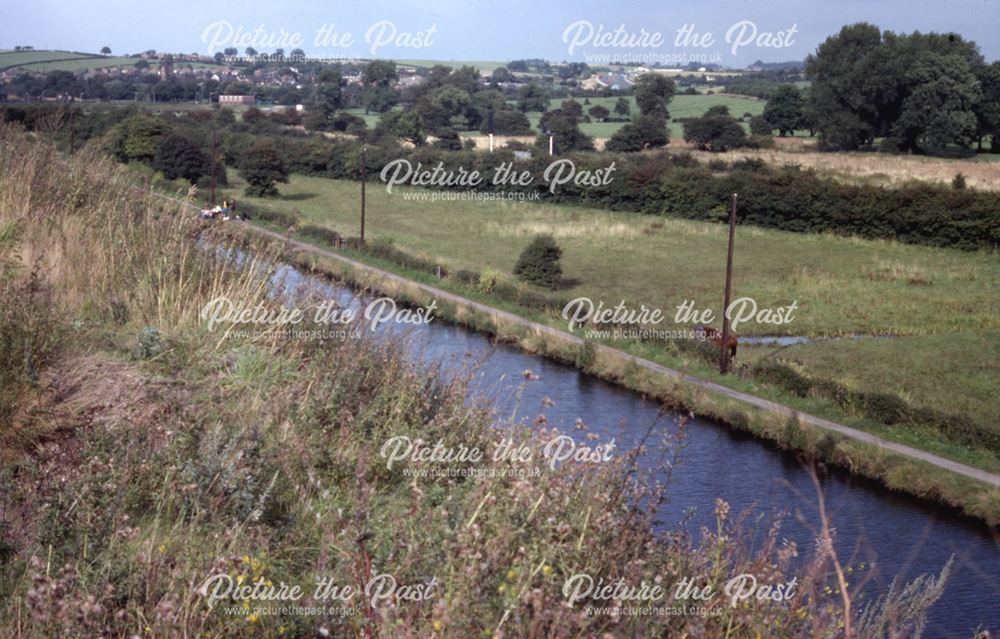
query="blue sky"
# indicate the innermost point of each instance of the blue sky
(770, 30)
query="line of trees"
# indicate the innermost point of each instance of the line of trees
(904, 92)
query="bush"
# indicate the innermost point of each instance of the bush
(469, 278)
(782, 375)
(648, 131)
(320, 234)
(273, 217)
(449, 141)
(261, 168)
(488, 280)
(507, 122)
(539, 262)
(715, 131)
(759, 126)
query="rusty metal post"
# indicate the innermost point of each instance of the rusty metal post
(724, 355)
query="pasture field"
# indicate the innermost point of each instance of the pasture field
(681, 106)
(942, 307)
(85, 63)
(483, 66)
(10, 59)
(43, 61)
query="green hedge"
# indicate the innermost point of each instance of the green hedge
(885, 408)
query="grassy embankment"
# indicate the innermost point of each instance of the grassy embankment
(142, 453)
(941, 305)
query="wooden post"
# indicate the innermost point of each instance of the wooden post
(724, 355)
(213, 165)
(364, 176)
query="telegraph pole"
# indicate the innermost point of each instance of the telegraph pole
(364, 176)
(213, 166)
(724, 355)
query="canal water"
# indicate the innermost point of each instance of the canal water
(895, 536)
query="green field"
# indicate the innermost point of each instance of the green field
(483, 66)
(11, 59)
(943, 305)
(45, 61)
(681, 106)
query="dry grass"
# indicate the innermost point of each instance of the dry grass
(863, 168)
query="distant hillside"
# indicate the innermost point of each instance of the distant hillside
(790, 65)
(43, 61)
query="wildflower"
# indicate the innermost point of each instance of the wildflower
(721, 509)
(252, 618)
(437, 625)
(547, 570)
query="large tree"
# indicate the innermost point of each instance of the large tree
(137, 137)
(988, 111)
(938, 108)
(403, 125)
(653, 91)
(329, 94)
(646, 131)
(563, 127)
(784, 110)
(506, 122)
(178, 157)
(378, 79)
(438, 107)
(909, 89)
(846, 114)
(532, 97)
(622, 108)
(715, 131)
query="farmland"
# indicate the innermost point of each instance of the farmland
(843, 286)
(45, 61)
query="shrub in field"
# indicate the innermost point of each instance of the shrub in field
(539, 262)
(715, 131)
(647, 131)
(321, 234)
(759, 126)
(488, 280)
(262, 168)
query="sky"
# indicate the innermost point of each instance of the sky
(671, 32)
